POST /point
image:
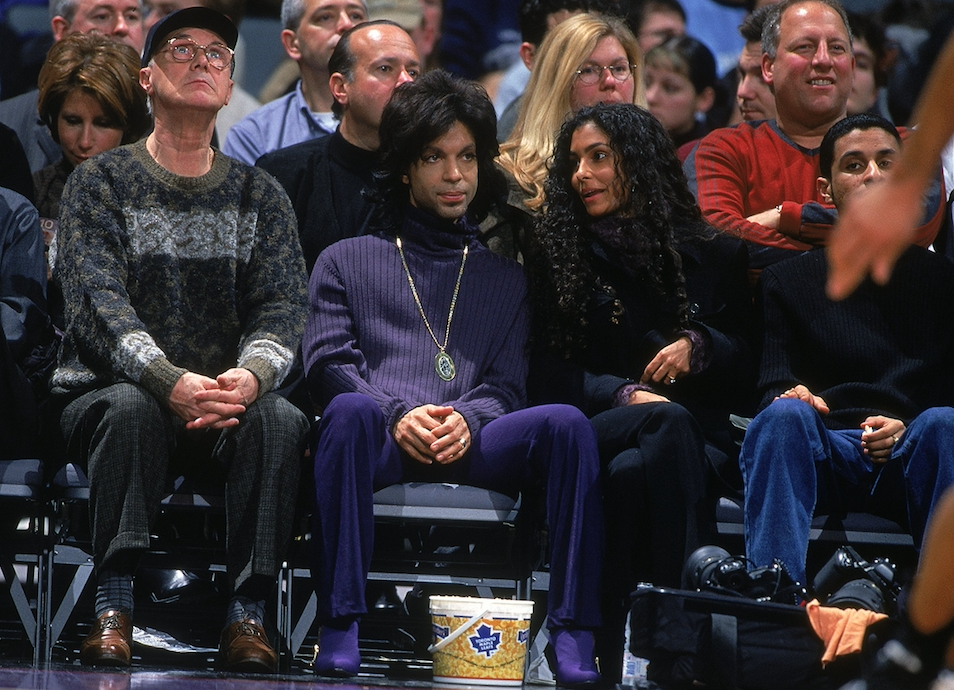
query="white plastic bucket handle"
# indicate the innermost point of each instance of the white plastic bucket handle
(458, 632)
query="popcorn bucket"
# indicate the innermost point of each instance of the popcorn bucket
(480, 641)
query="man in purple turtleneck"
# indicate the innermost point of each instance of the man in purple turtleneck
(415, 348)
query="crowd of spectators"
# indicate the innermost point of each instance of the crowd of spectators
(667, 174)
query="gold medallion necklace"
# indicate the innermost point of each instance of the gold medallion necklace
(443, 364)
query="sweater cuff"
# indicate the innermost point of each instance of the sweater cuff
(394, 416)
(790, 219)
(160, 377)
(269, 360)
(621, 396)
(263, 371)
(699, 359)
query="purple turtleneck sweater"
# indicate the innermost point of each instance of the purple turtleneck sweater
(365, 334)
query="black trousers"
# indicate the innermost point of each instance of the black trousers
(655, 474)
(124, 438)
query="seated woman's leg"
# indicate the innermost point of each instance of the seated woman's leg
(353, 454)
(654, 490)
(654, 483)
(555, 443)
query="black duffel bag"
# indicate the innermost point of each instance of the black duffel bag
(716, 640)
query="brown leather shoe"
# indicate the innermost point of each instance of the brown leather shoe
(244, 648)
(109, 643)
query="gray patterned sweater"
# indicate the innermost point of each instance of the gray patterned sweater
(163, 274)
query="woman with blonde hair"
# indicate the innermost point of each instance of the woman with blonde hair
(585, 60)
(91, 100)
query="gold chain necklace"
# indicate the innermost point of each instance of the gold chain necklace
(443, 363)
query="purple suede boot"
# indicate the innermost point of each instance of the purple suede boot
(338, 655)
(575, 662)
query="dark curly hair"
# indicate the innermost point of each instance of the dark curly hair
(420, 112)
(660, 214)
(862, 121)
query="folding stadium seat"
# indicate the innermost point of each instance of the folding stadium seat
(444, 537)
(22, 544)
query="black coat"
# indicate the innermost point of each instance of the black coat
(629, 323)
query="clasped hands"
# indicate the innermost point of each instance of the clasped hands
(206, 403)
(879, 436)
(433, 433)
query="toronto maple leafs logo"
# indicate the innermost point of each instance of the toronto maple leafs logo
(523, 636)
(486, 641)
(440, 631)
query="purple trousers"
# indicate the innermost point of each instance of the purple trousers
(551, 445)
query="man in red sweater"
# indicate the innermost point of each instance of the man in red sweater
(757, 180)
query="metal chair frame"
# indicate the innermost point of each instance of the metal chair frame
(401, 505)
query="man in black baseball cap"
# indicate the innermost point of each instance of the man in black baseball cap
(191, 17)
(179, 336)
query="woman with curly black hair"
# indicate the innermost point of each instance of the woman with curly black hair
(642, 316)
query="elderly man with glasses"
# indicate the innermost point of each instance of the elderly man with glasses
(185, 299)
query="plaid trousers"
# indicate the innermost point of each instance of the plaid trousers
(125, 438)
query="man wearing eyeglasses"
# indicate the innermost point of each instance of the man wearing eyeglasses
(326, 178)
(757, 180)
(184, 288)
(312, 29)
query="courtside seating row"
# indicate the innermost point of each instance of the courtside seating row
(430, 533)
(439, 535)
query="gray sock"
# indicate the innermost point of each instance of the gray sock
(242, 607)
(114, 592)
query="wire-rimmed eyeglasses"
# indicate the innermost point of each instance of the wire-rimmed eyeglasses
(185, 50)
(591, 74)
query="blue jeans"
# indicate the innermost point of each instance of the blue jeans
(793, 467)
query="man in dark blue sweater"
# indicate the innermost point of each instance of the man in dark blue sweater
(325, 178)
(856, 393)
(415, 348)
